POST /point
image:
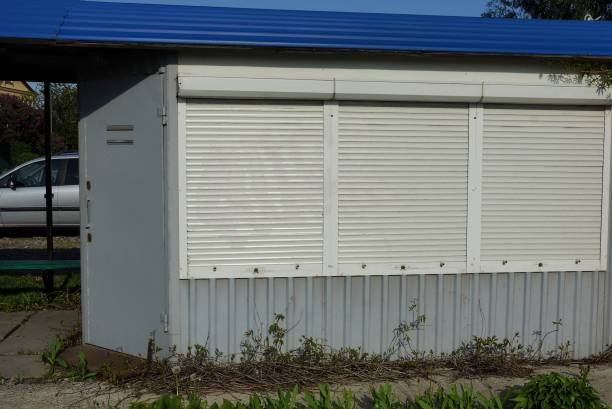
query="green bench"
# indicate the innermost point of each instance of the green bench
(43, 266)
(12, 265)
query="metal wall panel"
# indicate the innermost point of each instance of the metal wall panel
(542, 183)
(402, 183)
(363, 311)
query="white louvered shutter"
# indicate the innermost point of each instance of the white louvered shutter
(254, 187)
(402, 186)
(542, 185)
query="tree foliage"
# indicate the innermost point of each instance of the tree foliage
(64, 113)
(22, 123)
(549, 9)
(594, 73)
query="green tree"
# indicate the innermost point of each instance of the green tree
(22, 124)
(64, 110)
(21, 129)
(594, 73)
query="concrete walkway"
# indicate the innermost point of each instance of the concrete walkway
(24, 335)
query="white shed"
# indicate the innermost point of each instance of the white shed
(338, 168)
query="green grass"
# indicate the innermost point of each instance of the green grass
(26, 292)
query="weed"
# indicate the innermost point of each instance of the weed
(384, 398)
(257, 345)
(554, 390)
(325, 400)
(81, 372)
(27, 293)
(265, 362)
(165, 402)
(51, 357)
(401, 344)
(346, 400)
(456, 397)
(490, 355)
(284, 400)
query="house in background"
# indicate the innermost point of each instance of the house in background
(17, 88)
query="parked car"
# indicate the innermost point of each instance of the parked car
(22, 193)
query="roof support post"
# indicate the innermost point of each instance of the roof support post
(48, 274)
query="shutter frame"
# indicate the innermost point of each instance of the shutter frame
(547, 158)
(400, 143)
(243, 213)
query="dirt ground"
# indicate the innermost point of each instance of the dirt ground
(67, 394)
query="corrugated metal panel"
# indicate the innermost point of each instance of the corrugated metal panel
(402, 183)
(542, 183)
(33, 19)
(363, 311)
(196, 25)
(254, 184)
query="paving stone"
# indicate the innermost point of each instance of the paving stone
(36, 333)
(22, 366)
(9, 320)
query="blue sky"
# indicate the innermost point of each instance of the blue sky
(439, 7)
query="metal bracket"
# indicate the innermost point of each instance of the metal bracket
(161, 112)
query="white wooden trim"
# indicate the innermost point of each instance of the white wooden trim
(502, 266)
(474, 217)
(605, 199)
(182, 188)
(330, 175)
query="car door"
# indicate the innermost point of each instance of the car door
(23, 203)
(67, 193)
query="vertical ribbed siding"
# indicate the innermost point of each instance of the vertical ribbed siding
(542, 183)
(254, 177)
(402, 183)
(363, 311)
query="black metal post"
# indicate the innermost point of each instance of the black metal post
(48, 274)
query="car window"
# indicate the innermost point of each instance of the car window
(72, 172)
(4, 182)
(33, 175)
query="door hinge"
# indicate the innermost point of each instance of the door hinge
(161, 112)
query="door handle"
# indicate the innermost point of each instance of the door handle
(87, 214)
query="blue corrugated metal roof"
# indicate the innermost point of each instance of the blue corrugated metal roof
(152, 24)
